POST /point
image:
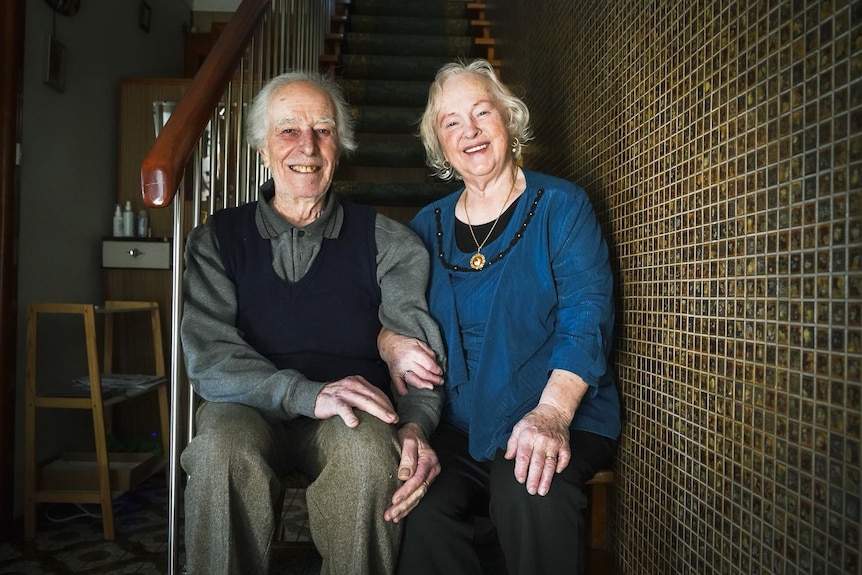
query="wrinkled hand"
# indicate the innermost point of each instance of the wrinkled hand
(418, 468)
(540, 446)
(355, 392)
(410, 361)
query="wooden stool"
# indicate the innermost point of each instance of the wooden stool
(598, 511)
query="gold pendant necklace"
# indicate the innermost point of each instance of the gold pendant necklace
(477, 260)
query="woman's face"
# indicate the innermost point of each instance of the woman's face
(471, 128)
(301, 146)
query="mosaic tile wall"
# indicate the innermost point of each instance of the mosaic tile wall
(721, 143)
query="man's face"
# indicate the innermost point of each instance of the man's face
(301, 146)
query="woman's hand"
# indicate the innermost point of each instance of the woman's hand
(540, 446)
(410, 361)
(540, 441)
(418, 468)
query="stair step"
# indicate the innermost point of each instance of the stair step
(394, 152)
(408, 44)
(386, 119)
(393, 93)
(386, 67)
(414, 8)
(392, 194)
(409, 25)
(410, 175)
(390, 53)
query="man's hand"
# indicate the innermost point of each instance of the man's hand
(355, 392)
(418, 468)
(410, 361)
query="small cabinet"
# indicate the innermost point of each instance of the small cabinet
(136, 253)
(100, 476)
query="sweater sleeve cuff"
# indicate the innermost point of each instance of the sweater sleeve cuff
(423, 411)
(302, 401)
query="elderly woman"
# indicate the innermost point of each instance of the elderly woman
(522, 289)
(284, 300)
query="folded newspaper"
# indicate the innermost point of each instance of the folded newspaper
(112, 384)
(121, 380)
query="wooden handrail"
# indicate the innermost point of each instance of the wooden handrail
(163, 167)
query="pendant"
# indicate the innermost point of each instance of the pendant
(477, 262)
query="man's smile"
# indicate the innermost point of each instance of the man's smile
(305, 169)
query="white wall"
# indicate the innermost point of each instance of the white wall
(69, 163)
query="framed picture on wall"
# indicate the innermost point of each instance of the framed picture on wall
(55, 63)
(144, 15)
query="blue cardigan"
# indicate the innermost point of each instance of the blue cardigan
(553, 309)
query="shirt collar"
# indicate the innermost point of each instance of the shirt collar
(271, 224)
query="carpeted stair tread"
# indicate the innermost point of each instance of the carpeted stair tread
(389, 56)
(414, 8)
(409, 24)
(393, 153)
(361, 92)
(408, 44)
(386, 119)
(392, 194)
(389, 67)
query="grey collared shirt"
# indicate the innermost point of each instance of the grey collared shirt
(223, 367)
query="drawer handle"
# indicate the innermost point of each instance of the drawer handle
(135, 252)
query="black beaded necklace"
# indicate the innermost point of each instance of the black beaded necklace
(496, 258)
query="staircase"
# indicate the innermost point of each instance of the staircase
(385, 54)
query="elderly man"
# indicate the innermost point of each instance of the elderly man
(301, 312)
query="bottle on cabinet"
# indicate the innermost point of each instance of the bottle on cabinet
(128, 220)
(142, 224)
(118, 223)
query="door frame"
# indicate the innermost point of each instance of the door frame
(11, 85)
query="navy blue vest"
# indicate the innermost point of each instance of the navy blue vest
(325, 325)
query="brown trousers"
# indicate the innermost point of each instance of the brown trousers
(235, 463)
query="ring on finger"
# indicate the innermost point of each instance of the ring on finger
(404, 375)
(550, 458)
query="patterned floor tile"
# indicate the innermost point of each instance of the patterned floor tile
(70, 540)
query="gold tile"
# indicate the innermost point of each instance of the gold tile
(721, 145)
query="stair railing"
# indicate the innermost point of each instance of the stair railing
(262, 39)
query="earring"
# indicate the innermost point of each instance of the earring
(445, 170)
(516, 146)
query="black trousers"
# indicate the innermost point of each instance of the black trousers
(539, 535)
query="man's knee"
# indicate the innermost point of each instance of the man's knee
(369, 451)
(228, 436)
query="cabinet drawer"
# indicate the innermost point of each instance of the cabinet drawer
(136, 253)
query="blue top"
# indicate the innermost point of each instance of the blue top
(543, 301)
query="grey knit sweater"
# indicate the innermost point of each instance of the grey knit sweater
(223, 367)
